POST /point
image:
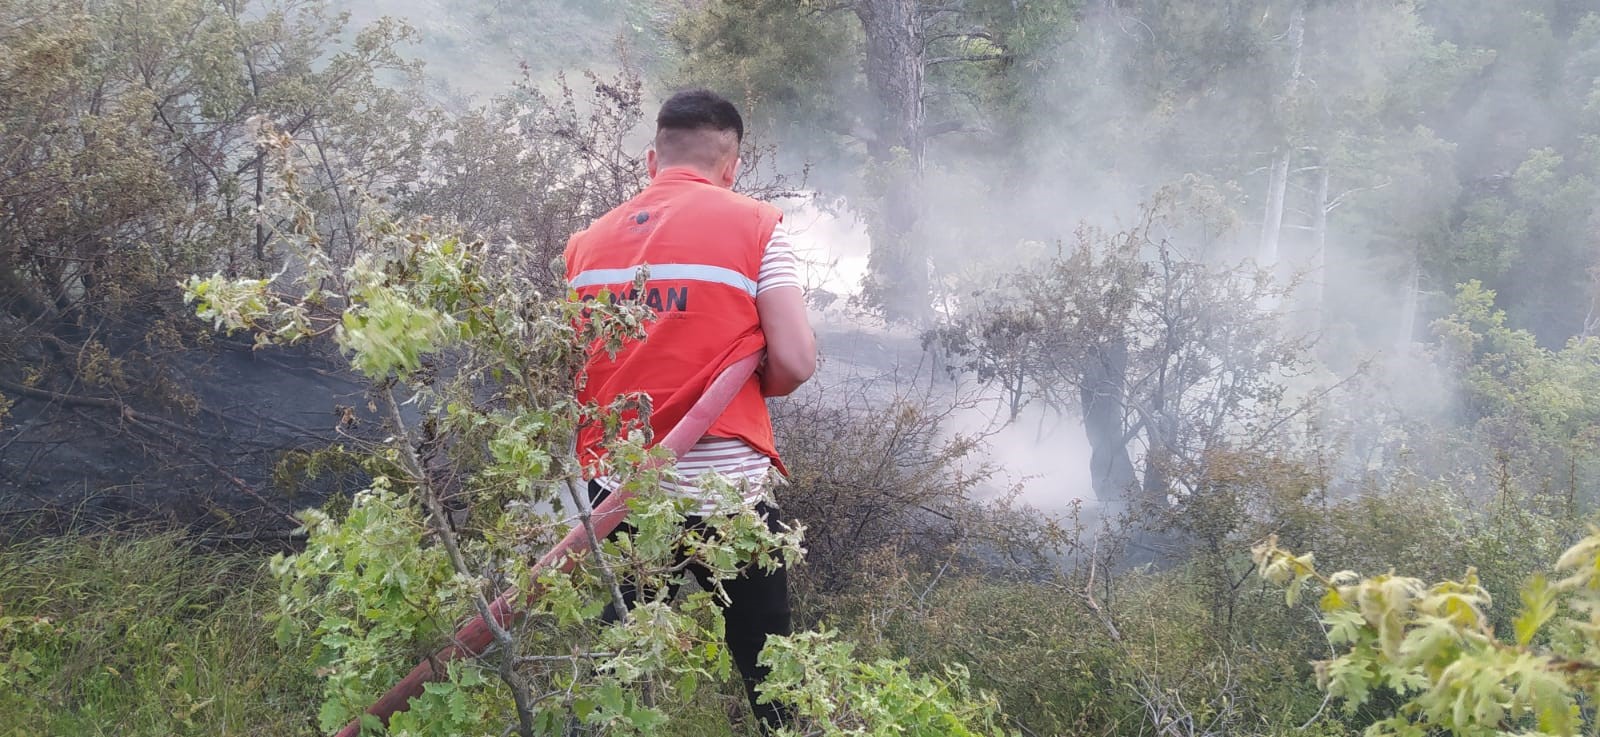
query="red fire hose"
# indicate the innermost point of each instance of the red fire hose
(475, 637)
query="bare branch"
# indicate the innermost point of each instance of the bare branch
(833, 7)
(973, 57)
(973, 34)
(951, 126)
(606, 574)
(1340, 199)
(441, 526)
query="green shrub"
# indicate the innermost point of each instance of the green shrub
(1432, 650)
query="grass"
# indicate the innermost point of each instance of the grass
(138, 636)
(107, 635)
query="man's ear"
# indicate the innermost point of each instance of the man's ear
(730, 172)
(650, 162)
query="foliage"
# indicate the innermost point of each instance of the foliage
(1528, 198)
(365, 594)
(1423, 145)
(790, 68)
(846, 696)
(1086, 647)
(1031, 641)
(1449, 144)
(1532, 405)
(1432, 644)
(476, 47)
(132, 161)
(534, 167)
(136, 158)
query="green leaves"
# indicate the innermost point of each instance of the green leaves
(828, 687)
(1432, 645)
(19, 635)
(520, 447)
(229, 305)
(1510, 380)
(1538, 606)
(1348, 678)
(362, 596)
(451, 707)
(387, 334)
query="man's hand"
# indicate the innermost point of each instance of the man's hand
(791, 346)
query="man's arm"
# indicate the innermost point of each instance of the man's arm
(781, 305)
(791, 346)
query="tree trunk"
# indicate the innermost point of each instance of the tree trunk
(895, 75)
(1278, 182)
(1272, 221)
(1408, 308)
(1319, 247)
(1104, 382)
(1162, 436)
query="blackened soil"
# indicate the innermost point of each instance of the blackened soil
(72, 456)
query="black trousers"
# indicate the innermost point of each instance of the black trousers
(758, 606)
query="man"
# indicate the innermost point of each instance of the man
(724, 284)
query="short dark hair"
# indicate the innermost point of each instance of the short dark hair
(698, 109)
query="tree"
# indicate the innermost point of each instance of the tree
(133, 157)
(1167, 359)
(1531, 405)
(1521, 221)
(131, 160)
(1357, 138)
(794, 71)
(533, 168)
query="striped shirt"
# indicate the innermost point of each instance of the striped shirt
(747, 469)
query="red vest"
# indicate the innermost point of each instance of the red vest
(703, 245)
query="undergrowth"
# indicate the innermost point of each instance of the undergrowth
(138, 636)
(132, 636)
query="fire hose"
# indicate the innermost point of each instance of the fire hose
(476, 636)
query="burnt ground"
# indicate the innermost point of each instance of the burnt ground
(232, 465)
(72, 456)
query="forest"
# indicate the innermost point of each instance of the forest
(1189, 368)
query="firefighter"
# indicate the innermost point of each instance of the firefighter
(723, 282)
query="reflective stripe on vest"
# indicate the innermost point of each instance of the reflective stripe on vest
(673, 272)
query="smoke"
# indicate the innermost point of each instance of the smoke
(1044, 453)
(832, 245)
(1411, 113)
